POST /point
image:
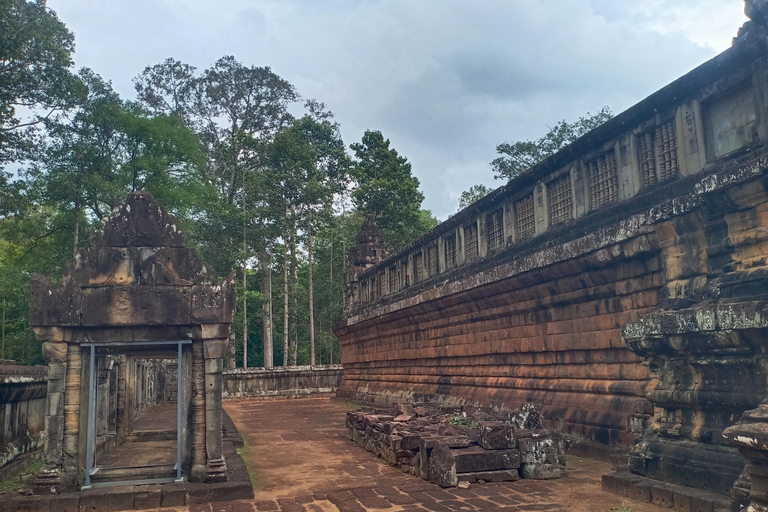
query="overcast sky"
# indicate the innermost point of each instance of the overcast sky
(444, 80)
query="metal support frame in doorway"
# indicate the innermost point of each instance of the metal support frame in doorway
(90, 468)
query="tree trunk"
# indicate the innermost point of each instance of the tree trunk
(285, 305)
(245, 305)
(311, 301)
(77, 234)
(294, 282)
(266, 311)
(3, 330)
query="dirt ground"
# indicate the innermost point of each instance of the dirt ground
(302, 461)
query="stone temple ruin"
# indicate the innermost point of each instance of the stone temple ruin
(620, 285)
(137, 322)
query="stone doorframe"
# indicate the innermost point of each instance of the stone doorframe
(138, 283)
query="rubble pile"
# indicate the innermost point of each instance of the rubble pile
(449, 445)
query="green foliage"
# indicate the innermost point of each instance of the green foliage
(218, 148)
(18, 480)
(35, 57)
(463, 422)
(475, 193)
(518, 157)
(386, 188)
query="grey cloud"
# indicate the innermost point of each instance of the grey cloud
(445, 80)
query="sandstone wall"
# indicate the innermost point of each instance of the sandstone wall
(22, 412)
(281, 381)
(523, 296)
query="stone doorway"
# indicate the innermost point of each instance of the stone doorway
(138, 413)
(136, 297)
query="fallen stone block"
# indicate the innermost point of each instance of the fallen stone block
(496, 435)
(505, 475)
(539, 471)
(475, 458)
(442, 466)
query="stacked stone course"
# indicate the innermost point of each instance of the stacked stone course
(447, 445)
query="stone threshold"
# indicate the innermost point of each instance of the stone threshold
(662, 494)
(149, 496)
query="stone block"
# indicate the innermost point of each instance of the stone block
(682, 500)
(496, 435)
(148, 497)
(505, 475)
(541, 471)
(662, 496)
(54, 351)
(93, 501)
(18, 504)
(229, 491)
(119, 498)
(475, 458)
(197, 493)
(214, 348)
(442, 466)
(65, 503)
(174, 495)
(639, 491)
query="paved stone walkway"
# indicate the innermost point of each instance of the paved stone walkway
(303, 462)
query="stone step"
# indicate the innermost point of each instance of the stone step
(151, 435)
(662, 494)
(124, 474)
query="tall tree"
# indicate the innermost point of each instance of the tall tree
(518, 157)
(35, 57)
(387, 188)
(308, 166)
(96, 153)
(232, 108)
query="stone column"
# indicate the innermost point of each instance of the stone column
(750, 435)
(72, 401)
(48, 480)
(102, 403)
(215, 350)
(198, 413)
(123, 400)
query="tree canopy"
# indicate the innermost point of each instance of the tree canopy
(261, 185)
(475, 193)
(518, 157)
(35, 58)
(387, 188)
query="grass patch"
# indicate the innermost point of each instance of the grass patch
(352, 406)
(243, 452)
(16, 482)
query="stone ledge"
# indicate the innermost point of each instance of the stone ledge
(679, 497)
(141, 497)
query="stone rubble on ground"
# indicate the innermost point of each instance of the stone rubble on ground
(452, 446)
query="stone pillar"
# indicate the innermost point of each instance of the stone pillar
(72, 400)
(123, 400)
(215, 349)
(198, 413)
(750, 435)
(48, 480)
(102, 403)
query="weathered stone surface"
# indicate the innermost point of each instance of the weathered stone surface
(137, 289)
(537, 471)
(442, 466)
(633, 315)
(475, 458)
(495, 435)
